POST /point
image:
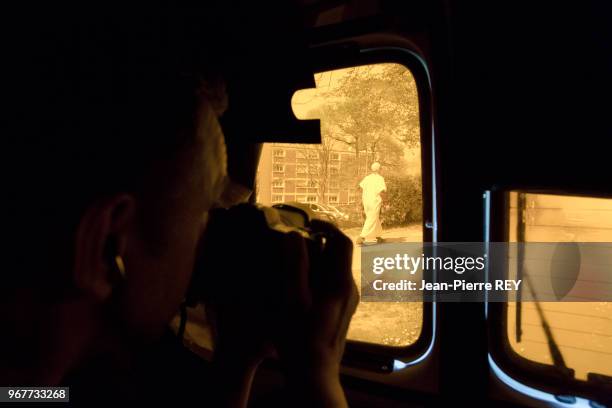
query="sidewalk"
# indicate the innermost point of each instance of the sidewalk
(388, 323)
(410, 233)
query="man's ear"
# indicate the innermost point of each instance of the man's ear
(101, 235)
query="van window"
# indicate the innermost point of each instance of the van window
(369, 114)
(582, 330)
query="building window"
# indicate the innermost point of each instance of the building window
(279, 168)
(312, 183)
(311, 199)
(312, 154)
(277, 198)
(278, 183)
(301, 169)
(333, 171)
(279, 153)
(334, 156)
(332, 199)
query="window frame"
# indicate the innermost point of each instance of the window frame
(301, 168)
(378, 357)
(544, 377)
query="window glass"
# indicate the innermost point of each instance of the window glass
(582, 330)
(369, 114)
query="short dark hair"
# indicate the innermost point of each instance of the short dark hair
(95, 100)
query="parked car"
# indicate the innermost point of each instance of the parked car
(316, 211)
(337, 213)
(324, 211)
(354, 215)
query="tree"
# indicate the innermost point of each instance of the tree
(373, 111)
(387, 99)
(317, 159)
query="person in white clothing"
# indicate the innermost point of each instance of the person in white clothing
(372, 186)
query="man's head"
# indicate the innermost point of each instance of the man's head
(115, 152)
(375, 167)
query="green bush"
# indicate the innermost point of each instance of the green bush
(403, 203)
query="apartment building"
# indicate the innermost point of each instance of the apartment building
(307, 173)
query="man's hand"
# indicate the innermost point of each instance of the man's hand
(322, 298)
(279, 299)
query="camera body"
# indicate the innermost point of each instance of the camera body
(242, 250)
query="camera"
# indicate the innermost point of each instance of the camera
(242, 250)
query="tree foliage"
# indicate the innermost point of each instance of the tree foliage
(404, 201)
(373, 110)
